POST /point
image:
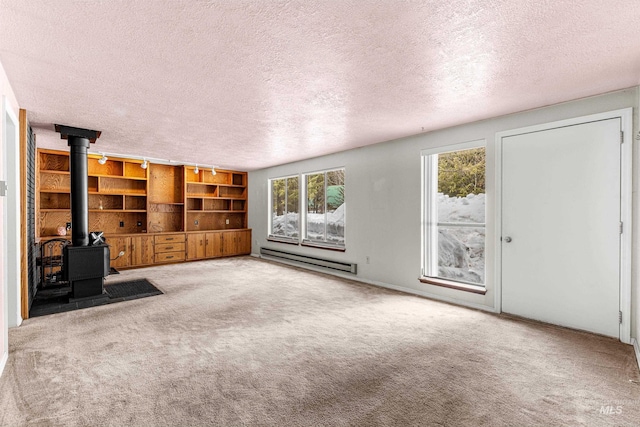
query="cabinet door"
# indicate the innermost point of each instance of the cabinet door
(213, 245)
(244, 242)
(117, 245)
(142, 250)
(230, 243)
(195, 245)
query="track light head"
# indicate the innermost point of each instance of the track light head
(102, 160)
(144, 164)
(196, 170)
(213, 171)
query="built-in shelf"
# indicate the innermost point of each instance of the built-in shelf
(162, 198)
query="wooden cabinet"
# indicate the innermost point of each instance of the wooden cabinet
(162, 213)
(237, 242)
(117, 245)
(142, 250)
(196, 246)
(138, 250)
(214, 247)
(228, 243)
(243, 246)
(215, 244)
(169, 248)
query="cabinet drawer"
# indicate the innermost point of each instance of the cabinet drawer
(170, 247)
(169, 238)
(170, 256)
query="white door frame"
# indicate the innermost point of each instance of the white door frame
(11, 257)
(626, 118)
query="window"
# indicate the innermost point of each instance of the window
(325, 208)
(454, 214)
(285, 208)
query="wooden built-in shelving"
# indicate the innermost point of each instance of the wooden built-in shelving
(126, 201)
(215, 202)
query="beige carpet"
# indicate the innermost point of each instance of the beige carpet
(244, 341)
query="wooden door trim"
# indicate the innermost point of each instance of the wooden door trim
(24, 263)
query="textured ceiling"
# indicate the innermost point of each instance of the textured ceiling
(250, 84)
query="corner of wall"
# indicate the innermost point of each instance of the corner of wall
(635, 285)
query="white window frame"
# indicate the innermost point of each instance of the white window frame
(279, 237)
(322, 243)
(430, 222)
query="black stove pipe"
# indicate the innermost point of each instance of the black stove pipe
(79, 140)
(78, 166)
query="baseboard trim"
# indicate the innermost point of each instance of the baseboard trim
(3, 361)
(387, 285)
(636, 347)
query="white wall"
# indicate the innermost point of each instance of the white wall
(383, 199)
(8, 101)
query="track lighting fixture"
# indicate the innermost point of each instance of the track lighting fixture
(146, 160)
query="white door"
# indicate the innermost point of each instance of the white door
(561, 204)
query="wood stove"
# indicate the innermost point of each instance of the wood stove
(84, 266)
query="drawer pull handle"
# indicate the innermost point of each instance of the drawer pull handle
(169, 238)
(169, 257)
(169, 247)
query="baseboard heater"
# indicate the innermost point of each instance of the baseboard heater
(309, 260)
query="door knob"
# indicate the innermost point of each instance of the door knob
(507, 239)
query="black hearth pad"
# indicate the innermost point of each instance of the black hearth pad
(58, 302)
(139, 288)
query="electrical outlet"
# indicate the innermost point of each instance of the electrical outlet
(227, 222)
(121, 223)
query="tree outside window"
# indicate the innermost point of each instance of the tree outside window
(454, 185)
(285, 209)
(325, 210)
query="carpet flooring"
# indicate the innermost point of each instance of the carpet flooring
(243, 341)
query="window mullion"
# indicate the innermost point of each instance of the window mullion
(432, 223)
(325, 208)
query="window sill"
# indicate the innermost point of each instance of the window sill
(323, 246)
(454, 285)
(283, 240)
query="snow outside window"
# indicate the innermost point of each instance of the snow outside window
(285, 208)
(454, 238)
(325, 207)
